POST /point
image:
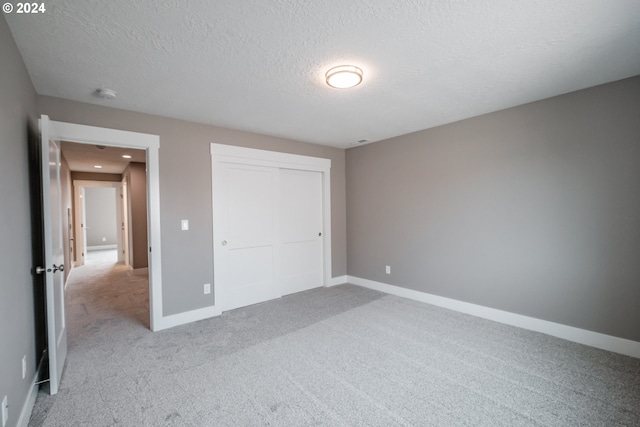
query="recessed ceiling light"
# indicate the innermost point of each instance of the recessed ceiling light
(344, 76)
(105, 93)
(126, 156)
(97, 166)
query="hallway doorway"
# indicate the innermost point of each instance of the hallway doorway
(149, 222)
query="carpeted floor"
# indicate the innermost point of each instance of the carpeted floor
(341, 356)
(101, 256)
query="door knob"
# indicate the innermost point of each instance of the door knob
(40, 270)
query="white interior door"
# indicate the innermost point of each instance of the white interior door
(54, 256)
(300, 206)
(271, 222)
(245, 234)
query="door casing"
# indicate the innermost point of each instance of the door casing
(80, 219)
(151, 144)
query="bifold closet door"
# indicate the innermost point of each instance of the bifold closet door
(300, 231)
(245, 200)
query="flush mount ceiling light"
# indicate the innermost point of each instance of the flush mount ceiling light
(126, 156)
(344, 76)
(97, 166)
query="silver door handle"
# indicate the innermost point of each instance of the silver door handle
(40, 270)
(224, 243)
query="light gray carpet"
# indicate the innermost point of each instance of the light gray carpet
(341, 356)
(101, 256)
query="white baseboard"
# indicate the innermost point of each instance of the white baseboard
(140, 271)
(167, 322)
(570, 333)
(30, 401)
(101, 247)
(334, 281)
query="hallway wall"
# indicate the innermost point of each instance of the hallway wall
(18, 110)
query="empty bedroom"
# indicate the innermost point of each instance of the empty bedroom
(368, 213)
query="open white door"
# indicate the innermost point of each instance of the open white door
(54, 255)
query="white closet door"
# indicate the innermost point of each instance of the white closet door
(300, 213)
(246, 234)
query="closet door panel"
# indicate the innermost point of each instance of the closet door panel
(300, 213)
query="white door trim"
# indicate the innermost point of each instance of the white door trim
(78, 186)
(256, 157)
(151, 143)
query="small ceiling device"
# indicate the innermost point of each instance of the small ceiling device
(105, 93)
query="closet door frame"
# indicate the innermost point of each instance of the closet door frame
(221, 153)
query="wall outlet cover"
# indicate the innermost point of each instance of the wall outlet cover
(387, 269)
(207, 288)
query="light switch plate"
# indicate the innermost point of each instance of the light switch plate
(185, 224)
(387, 269)
(207, 288)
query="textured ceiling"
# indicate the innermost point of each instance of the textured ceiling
(259, 65)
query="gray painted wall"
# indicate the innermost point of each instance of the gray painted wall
(100, 214)
(185, 190)
(135, 176)
(17, 109)
(92, 176)
(533, 210)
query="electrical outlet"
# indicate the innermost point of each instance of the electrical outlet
(184, 224)
(5, 411)
(207, 288)
(24, 366)
(387, 269)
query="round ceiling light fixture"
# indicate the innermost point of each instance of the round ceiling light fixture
(344, 76)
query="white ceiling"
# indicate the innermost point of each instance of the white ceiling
(259, 65)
